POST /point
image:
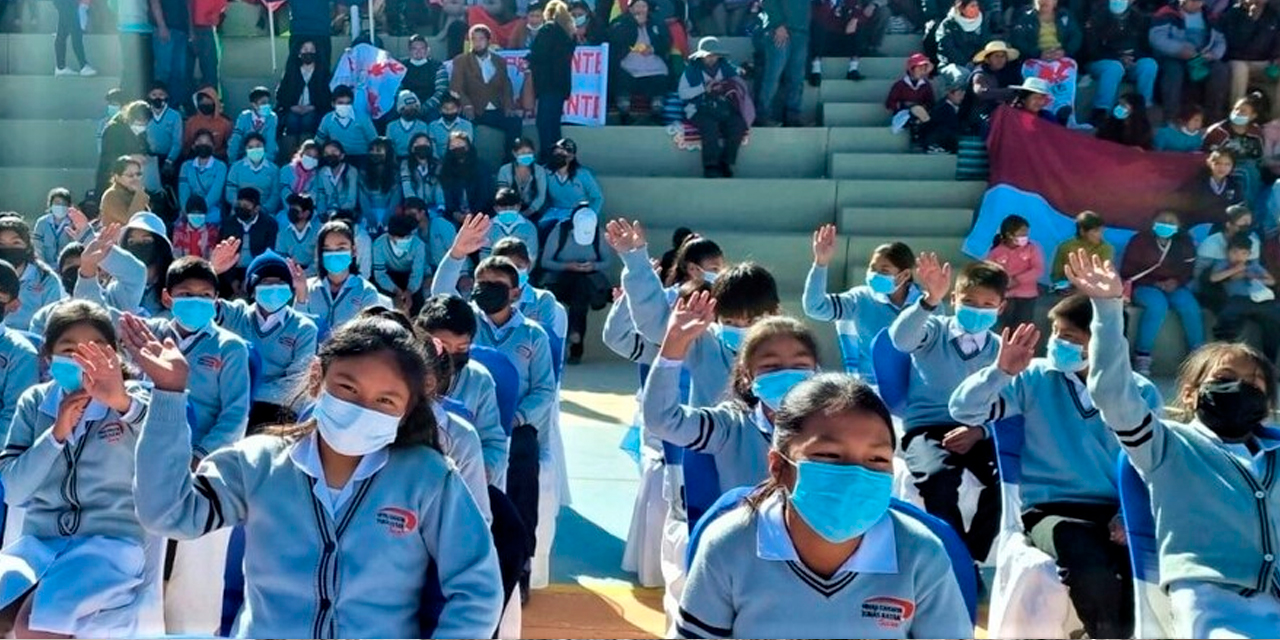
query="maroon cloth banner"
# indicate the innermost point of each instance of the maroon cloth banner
(1076, 172)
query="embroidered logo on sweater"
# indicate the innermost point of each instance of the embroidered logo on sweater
(398, 521)
(210, 362)
(288, 342)
(111, 432)
(887, 611)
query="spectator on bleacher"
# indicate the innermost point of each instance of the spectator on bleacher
(114, 99)
(426, 77)
(913, 94)
(570, 184)
(380, 188)
(1239, 222)
(309, 23)
(509, 222)
(1117, 42)
(299, 228)
(206, 15)
(171, 44)
(1160, 263)
(193, 234)
(1045, 31)
(408, 126)
(483, 88)
(990, 85)
(1252, 30)
(256, 170)
(639, 44)
(550, 69)
(337, 293)
(964, 40)
(134, 29)
(520, 38)
(418, 174)
(1127, 123)
(56, 229)
(1241, 135)
(1033, 97)
(337, 187)
(1249, 295)
(698, 260)
(41, 285)
(449, 121)
(124, 135)
(1190, 48)
(588, 28)
(255, 233)
(574, 262)
(942, 133)
(69, 27)
(344, 124)
(1023, 261)
(1183, 133)
(204, 175)
(302, 96)
(400, 263)
(847, 29)
(126, 195)
(1089, 229)
(528, 178)
(466, 181)
(259, 118)
(299, 174)
(786, 52)
(208, 117)
(713, 94)
(164, 139)
(667, 269)
(146, 238)
(435, 229)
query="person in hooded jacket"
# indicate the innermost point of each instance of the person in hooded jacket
(208, 117)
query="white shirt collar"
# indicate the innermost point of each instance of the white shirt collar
(763, 423)
(268, 323)
(305, 455)
(878, 552)
(969, 342)
(95, 411)
(1080, 389)
(185, 343)
(516, 319)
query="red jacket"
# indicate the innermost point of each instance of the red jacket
(207, 13)
(903, 96)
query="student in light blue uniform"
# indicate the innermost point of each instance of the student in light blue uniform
(164, 135)
(80, 267)
(863, 311)
(364, 244)
(434, 229)
(380, 190)
(145, 239)
(337, 187)
(205, 176)
(284, 339)
(816, 552)
(78, 567)
(41, 286)
(447, 124)
(536, 304)
(405, 128)
(570, 184)
(509, 222)
(1211, 474)
(337, 293)
(1070, 500)
(419, 173)
(448, 319)
(299, 229)
(299, 174)
(20, 370)
(944, 351)
(259, 118)
(256, 169)
(344, 124)
(526, 177)
(400, 262)
(361, 491)
(53, 231)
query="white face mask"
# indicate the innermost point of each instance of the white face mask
(351, 429)
(137, 128)
(344, 110)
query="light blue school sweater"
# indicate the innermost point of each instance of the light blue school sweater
(1217, 517)
(358, 573)
(439, 132)
(868, 311)
(538, 305)
(217, 386)
(38, 286)
(208, 182)
(164, 134)
(355, 295)
(386, 260)
(84, 486)
(20, 368)
(355, 133)
(736, 436)
(938, 365)
(521, 228)
(566, 193)
(420, 182)
(474, 388)
(533, 191)
(621, 337)
(1068, 454)
(50, 237)
(336, 191)
(246, 123)
(377, 206)
(299, 245)
(402, 132)
(286, 181)
(286, 349)
(265, 177)
(528, 347)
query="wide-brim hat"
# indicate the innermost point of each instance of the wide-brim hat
(1034, 85)
(708, 46)
(995, 46)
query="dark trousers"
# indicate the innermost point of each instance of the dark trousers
(204, 49)
(937, 473)
(1214, 90)
(301, 124)
(550, 111)
(266, 414)
(510, 126)
(522, 477)
(866, 39)
(1095, 569)
(1018, 311)
(721, 137)
(1238, 310)
(578, 292)
(324, 48)
(623, 86)
(68, 27)
(135, 64)
(401, 279)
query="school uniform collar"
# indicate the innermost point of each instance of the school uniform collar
(306, 228)
(914, 84)
(52, 400)
(156, 117)
(305, 455)
(1077, 388)
(254, 168)
(878, 552)
(265, 325)
(913, 294)
(763, 423)
(185, 343)
(969, 343)
(30, 273)
(516, 320)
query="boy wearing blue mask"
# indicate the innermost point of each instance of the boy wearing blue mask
(259, 118)
(944, 351)
(508, 222)
(400, 263)
(1070, 500)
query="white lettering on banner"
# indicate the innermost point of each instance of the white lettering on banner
(589, 87)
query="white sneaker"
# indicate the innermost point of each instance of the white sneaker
(63, 72)
(87, 71)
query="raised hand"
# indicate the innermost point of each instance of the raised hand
(824, 244)
(1017, 348)
(103, 375)
(225, 256)
(471, 236)
(79, 221)
(689, 319)
(1093, 276)
(299, 277)
(163, 362)
(97, 249)
(934, 277)
(624, 236)
(70, 410)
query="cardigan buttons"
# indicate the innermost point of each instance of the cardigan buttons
(1259, 495)
(1268, 557)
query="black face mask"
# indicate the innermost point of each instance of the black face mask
(377, 158)
(1232, 409)
(158, 103)
(491, 297)
(143, 251)
(16, 256)
(332, 161)
(422, 153)
(307, 58)
(245, 213)
(558, 161)
(203, 151)
(69, 278)
(459, 360)
(449, 117)
(205, 108)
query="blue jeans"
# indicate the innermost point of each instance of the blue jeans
(304, 124)
(550, 111)
(1155, 305)
(1110, 73)
(788, 60)
(171, 60)
(205, 47)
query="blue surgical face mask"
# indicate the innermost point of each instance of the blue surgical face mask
(351, 429)
(1238, 119)
(1118, 7)
(773, 386)
(507, 218)
(1067, 357)
(731, 337)
(336, 261)
(67, 373)
(524, 277)
(840, 501)
(974, 320)
(264, 110)
(525, 159)
(196, 219)
(580, 21)
(709, 277)
(401, 245)
(194, 313)
(881, 283)
(1121, 112)
(255, 154)
(272, 297)
(1164, 230)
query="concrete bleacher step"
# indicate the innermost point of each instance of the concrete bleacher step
(67, 144)
(909, 193)
(869, 90)
(47, 97)
(892, 166)
(904, 222)
(870, 139)
(882, 68)
(24, 188)
(766, 206)
(650, 151)
(854, 114)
